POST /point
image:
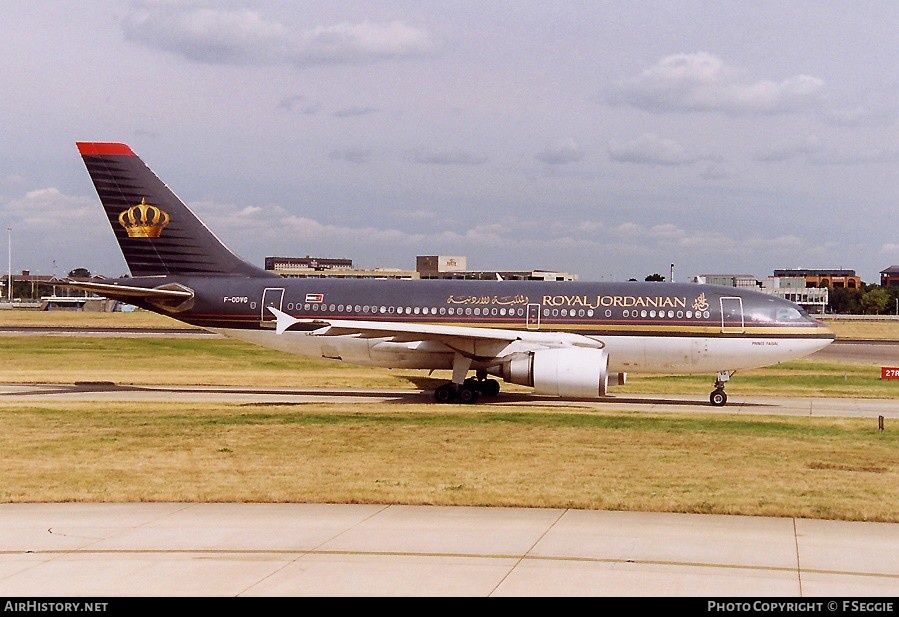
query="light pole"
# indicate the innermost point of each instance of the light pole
(9, 235)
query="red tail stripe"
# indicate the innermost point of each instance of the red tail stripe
(89, 148)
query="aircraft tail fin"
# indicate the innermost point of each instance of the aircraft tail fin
(156, 231)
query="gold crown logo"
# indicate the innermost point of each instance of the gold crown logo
(144, 220)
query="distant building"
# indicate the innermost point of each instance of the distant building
(427, 267)
(319, 267)
(890, 277)
(824, 278)
(731, 280)
(795, 289)
(455, 267)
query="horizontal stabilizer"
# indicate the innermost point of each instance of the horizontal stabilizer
(127, 291)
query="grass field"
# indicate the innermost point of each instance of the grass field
(619, 458)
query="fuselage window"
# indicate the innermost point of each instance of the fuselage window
(416, 310)
(643, 313)
(357, 308)
(290, 306)
(306, 307)
(442, 310)
(680, 314)
(383, 309)
(477, 311)
(390, 309)
(468, 310)
(608, 313)
(451, 311)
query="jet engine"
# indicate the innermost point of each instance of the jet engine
(575, 372)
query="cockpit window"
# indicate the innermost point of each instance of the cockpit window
(781, 314)
(788, 313)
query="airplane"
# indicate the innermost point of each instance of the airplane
(566, 339)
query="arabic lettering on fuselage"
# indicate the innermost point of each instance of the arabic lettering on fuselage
(500, 300)
(586, 301)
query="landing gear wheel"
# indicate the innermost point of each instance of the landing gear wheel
(490, 387)
(445, 393)
(718, 398)
(468, 394)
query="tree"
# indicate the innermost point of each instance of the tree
(874, 301)
(655, 277)
(843, 301)
(80, 273)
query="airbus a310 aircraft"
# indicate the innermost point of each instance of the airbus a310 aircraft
(566, 339)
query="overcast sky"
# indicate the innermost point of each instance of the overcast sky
(605, 139)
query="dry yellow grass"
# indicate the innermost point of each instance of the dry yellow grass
(860, 329)
(449, 455)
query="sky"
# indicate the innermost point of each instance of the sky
(605, 139)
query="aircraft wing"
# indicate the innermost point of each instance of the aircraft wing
(450, 335)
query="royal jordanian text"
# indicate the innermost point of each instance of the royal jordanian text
(624, 301)
(54, 607)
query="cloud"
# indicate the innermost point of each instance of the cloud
(351, 155)
(783, 151)
(48, 208)
(447, 157)
(702, 82)
(650, 149)
(289, 103)
(561, 152)
(243, 37)
(350, 112)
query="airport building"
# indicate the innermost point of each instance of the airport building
(730, 280)
(824, 278)
(800, 286)
(890, 277)
(320, 267)
(426, 267)
(796, 289)
(456, 267)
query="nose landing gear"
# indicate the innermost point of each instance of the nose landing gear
(718, 397)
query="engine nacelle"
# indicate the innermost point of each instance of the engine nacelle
(576, 372)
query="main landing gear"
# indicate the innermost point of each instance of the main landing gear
(718, 397)
(468, 392)
(464, 389)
